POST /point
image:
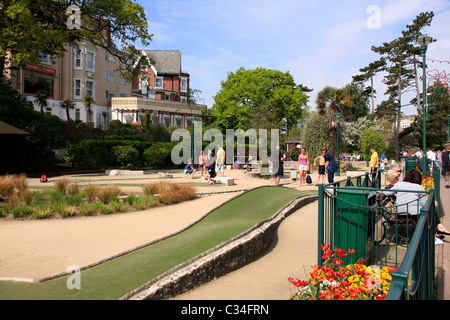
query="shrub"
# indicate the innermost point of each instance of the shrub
(171, 193)
(20, 182)
(62, 185)
(13, 201)
(158, 155)
(27, 196)
(7, 186)
(130, 199)
(90, 192)
(65, 210)
(73, 189)
(86, 209)
(22, 210)
(40, 212)
(106, 193)
(3, 210)
(125, 155)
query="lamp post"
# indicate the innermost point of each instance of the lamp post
(338, 173)
(448, 127)
(192, 139)
(424, 41)
(367, 151)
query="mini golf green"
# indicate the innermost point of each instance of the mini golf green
(113, 279)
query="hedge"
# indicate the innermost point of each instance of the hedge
(99, 154)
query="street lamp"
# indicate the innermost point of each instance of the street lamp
(367, 151)
(338, 118)
(448, 127)
(424, 41)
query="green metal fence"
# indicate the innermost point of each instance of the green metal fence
(358, 214)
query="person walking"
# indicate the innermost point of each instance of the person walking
(330, 164)
(303, 166)
(445, 161)
(373, 162)
(280, 172)
(220, 160)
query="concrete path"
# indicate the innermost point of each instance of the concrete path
(293, 253)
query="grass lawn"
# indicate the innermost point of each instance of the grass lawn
(117, 277)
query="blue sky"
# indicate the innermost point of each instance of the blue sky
(320, 42)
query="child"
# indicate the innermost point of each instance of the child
(189, 169)
(211, 173)
(321, 166)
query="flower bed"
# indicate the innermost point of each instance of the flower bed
(332, 281)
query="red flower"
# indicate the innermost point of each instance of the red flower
(341, 253)
(325, 247)
(380, 297)
(350, 251)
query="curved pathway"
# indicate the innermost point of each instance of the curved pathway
(293, 253)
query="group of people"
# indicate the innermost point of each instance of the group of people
(327, 166)
(208, 165)
(409, 197)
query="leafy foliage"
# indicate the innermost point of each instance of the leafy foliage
(259, 98)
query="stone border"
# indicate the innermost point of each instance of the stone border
(218, 261)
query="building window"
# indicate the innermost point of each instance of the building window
(109, 57)
(151, 95)
(90, 61)
(109, 94)
(89, 88)
(167, 96)
(183, 85)
(110, 76)
(159, 82)
(77, 88)
(183, 99)
(44, 57)
(48, 110)
(124, 81)
(34, 85)
(77, 115)
(78, 59)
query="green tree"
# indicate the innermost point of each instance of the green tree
(315, 134)
(88, 101)
(376, 139)
(367, 74)
(29, 27)
(67, 104)
(360, 101)
(331, 101)
(41, 100)
(437, 123)
(402, 71)
(258, 98)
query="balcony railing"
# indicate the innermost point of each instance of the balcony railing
(136, 103)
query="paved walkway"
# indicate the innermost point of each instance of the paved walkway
(443, 251)
(292, 254)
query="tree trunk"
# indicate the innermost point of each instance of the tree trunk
(371, 87)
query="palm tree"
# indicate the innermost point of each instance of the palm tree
(67, 104)
(88, 101)
(335, 101)
(41, 100)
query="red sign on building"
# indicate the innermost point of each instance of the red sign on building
(41, 69)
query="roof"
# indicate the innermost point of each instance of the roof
(166, 61)
(9, 129)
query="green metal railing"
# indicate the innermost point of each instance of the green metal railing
(416, 276)
(353, 215)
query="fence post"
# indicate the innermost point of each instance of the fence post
(320, 223)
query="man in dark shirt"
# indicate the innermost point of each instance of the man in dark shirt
(280, 172)
(330, 164)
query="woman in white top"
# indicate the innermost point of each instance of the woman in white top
(411, 202)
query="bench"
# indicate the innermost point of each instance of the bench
(226, 180)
